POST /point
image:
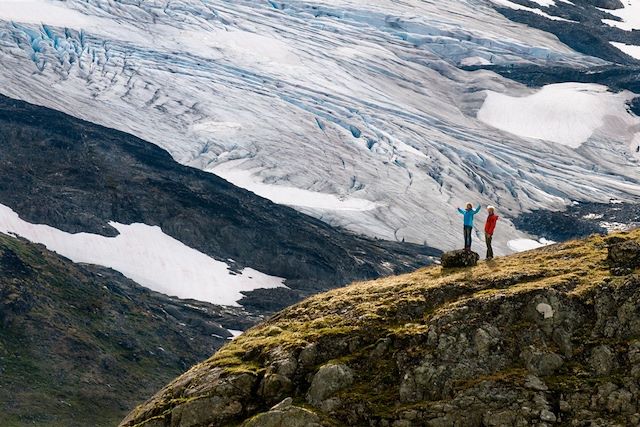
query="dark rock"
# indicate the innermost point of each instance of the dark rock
(625, 254)
(275, 387)
(12, 266)
(621, 271)
(459, 258)
(88, 335)
(558, 226)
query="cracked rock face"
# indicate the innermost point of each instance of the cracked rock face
(542, 338)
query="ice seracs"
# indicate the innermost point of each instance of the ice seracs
(149, 257)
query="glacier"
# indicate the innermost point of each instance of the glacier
(360, 114)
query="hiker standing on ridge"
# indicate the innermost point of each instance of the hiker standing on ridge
(468, 213)
(489, 228)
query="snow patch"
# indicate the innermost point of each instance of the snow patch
(516, 6)
(592, 216)
(545, 3)
(614, 227)
(523, 245)
(474, 60)
(234, 333)
(630, 15)
(146, 255)
(565, 113)
(291, 196)
(629, 49)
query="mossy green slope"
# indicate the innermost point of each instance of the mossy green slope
(548, 336)
(80, 345)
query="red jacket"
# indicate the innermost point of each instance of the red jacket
(490, 226)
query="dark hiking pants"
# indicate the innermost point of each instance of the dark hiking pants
(488, 238)
(467, 236)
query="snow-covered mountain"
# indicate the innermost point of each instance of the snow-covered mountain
(378, 116)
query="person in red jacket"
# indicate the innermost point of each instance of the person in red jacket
(489, 228)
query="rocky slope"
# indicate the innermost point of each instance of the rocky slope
(78, 177)
(545, 337)
(80, 345)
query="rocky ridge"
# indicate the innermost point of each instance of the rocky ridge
(547, 337)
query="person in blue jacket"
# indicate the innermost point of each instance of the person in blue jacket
(468, 213)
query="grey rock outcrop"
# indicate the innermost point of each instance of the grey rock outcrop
(329, 379)
(549, 337)
(285, 414)
(625, 254)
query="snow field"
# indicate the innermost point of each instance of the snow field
(629, 13)
(629, 49)
(516, 6)
(523, 245)
(147, 256)
(565, 113)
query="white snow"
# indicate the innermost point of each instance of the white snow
(474, 60)
(291, 196)
(592, 216)
(149, 257)
(523, 245)
(516, 6)
(630, 15)
(565, 113)
(629, 49)
(545, 3)
(39, 11)
(234, 333)
(614, 227)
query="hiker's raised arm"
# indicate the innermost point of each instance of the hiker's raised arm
(461, 211)
(477, 209)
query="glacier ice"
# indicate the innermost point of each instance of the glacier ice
(317, 96)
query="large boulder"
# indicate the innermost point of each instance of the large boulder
(460, 258)
(327, 381)
(624, 254)
(285, 415)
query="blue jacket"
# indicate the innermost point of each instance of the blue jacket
(468, 215)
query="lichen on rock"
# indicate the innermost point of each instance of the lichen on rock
(547, 337)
